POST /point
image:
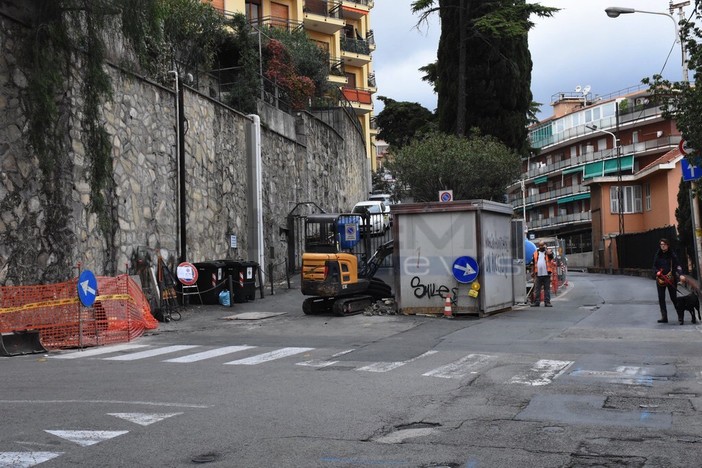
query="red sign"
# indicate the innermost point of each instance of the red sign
(684, 148)
(187, 273)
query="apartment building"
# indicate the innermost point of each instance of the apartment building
(343, 30)
(588, 152)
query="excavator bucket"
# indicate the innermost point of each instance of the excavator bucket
(16, 343)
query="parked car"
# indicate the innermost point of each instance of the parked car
(379, 221)
(386, 198)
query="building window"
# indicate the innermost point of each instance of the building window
(631, 199)
(647, 194)
(253, 11)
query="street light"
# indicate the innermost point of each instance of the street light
(614, 12)
(620, 189)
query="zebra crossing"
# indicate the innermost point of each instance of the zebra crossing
(536, 373)
(541, 372)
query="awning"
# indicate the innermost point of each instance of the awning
(579, 196)
(540, 180)
(572, 170)
(600, 168)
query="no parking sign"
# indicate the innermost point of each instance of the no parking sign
(446, 195)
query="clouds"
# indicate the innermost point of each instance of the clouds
(579, 45)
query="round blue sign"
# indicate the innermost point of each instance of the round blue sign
(465, 269)
(87, 288)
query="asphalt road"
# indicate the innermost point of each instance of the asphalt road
(593, 381)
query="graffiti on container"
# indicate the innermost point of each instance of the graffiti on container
(429, 290)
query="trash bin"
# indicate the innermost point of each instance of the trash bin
(211, 279)
(243, 279)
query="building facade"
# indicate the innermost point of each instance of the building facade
(339, 27)
(601, 167)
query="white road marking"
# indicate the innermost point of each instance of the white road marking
(25, 459)
(543, 372)
(144, 419)
(627, 375)
(97, 351)
(271, 356)
(86, 438)
(322, 363)
(150, 353)
(388, 366)
(460, 368)
(210, 354)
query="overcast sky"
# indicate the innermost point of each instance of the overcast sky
(579, 46)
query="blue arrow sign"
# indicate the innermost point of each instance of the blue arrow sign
(87, 288)
(690, 172)
(465, 269)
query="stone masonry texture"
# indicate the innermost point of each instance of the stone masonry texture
(47, 228)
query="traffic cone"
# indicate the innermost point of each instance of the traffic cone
(448, 312)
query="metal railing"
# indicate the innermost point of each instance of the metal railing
(326, 8)
(356, 46)
(632, 114)
(554, 221)
(518, 201)
(668, 142)
(274, 22)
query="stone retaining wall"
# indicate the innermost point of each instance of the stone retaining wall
(46, 227)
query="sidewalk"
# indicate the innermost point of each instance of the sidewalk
(283, 301)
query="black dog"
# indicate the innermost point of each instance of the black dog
(689, 302)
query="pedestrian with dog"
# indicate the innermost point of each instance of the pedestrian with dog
(541, 272)
(689, 302)
(665, 269)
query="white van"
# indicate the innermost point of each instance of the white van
(386, 199)
(379, 222)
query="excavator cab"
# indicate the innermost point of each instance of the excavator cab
(335, 271)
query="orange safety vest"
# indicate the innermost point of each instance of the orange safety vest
(550, 263)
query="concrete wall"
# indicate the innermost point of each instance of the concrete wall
(47, 227)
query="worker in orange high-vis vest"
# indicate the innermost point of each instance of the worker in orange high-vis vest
(544, 265)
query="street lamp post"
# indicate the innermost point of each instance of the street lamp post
(617, 150)
(614, 12)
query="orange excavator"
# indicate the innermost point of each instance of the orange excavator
(336, 271)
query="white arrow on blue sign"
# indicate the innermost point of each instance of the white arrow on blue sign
(465, 269)
(87, 288)
(690, 172)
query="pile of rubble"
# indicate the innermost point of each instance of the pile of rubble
(385, 306)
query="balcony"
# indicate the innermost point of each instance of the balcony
(634, 116)
(562, 220)
(323, 16)
(371, 83)
(336, 71)
(370, 38)
(637, 149)
(360, 99)
(274, 22)
(546, 198)
(356, 9)
(355, 52)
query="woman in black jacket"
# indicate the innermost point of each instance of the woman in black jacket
(665, 267)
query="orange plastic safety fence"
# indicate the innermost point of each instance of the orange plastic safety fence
(120, 313)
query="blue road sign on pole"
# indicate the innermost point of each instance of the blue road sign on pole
(87, 288)
(690, 172)
(465, 269)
